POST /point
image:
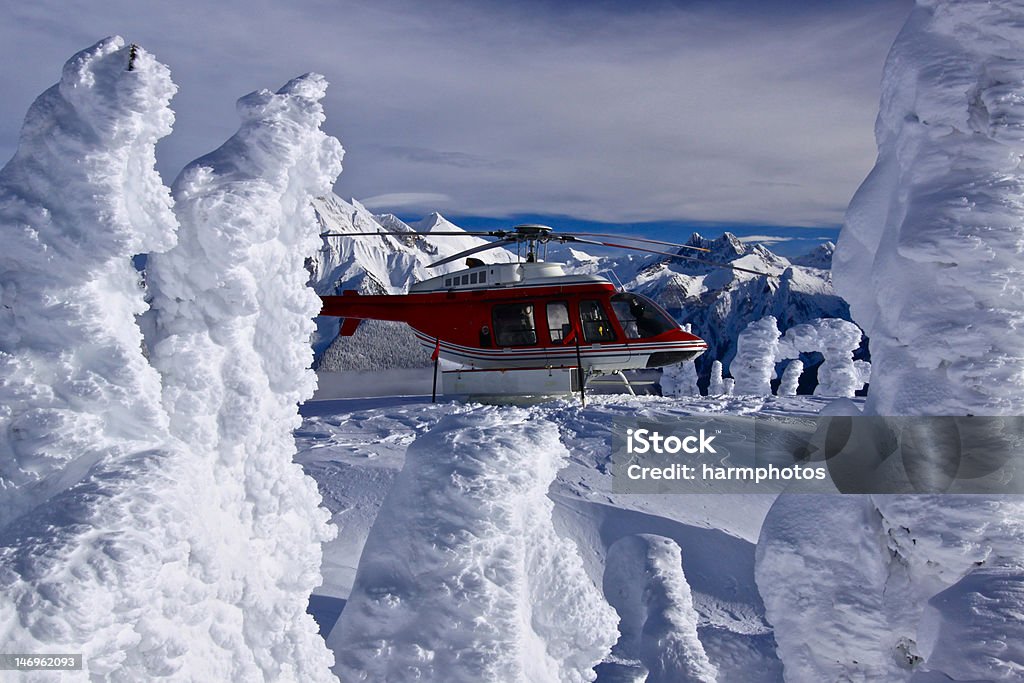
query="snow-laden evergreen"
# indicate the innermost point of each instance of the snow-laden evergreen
(680, 380)
(791, 377)
(463, 577)
(753, 368)
(929, 256)
(716, 386)
(644, 581)
(836, 340)
(233, 320)
(923, 587)
(80, 196)
(94, 556)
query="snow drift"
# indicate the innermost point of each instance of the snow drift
(463, 577)
(232, 319)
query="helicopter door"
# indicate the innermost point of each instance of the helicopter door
(598, 332)
(559, 327)
(513, 324)
(596, 326)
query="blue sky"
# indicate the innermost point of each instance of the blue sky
(659, 115)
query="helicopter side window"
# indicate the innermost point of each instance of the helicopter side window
(465, 279)
(596, 326)
(472, 278)
(558, 321)
(513, 325)
(640, 317)
(447, 282)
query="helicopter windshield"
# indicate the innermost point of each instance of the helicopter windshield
(640, 317)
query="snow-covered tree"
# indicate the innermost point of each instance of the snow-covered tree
(644, 581)
(791, 377)
(463, 577)
(836, 340)
(929, 256)
(89, 473)
(680, 380)
(753, 368)
(716, 387)
(233, 319)
(930, 260)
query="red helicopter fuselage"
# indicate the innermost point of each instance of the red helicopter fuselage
(527, 315)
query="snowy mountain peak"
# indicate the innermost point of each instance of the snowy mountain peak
(433, 223)
(819, 257)
(728, 246)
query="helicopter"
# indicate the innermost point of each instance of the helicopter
(528, 327)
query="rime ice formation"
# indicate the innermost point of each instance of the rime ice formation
(969, 634)
(728, 386)
(680, 380)
(233, 319)
(863, 369)
(644, 581)
(77, 200)
(88, 470)
(923, 587)
(869, 568)
(754, 365)
(716, 387)
(836, 340)
(821, 569)
(791, 377)
(929, 257)
(463, 577)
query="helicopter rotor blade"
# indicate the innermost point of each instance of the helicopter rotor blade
(474, 250)
(642, 239)
(716, 264)
(446, 233)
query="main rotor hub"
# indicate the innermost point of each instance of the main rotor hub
(532, 230)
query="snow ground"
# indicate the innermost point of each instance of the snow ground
(355, 447)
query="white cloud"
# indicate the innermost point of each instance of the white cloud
(730, 112)
(422, 201)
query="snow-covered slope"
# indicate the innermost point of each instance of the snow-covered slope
(383, 264)
(819, 257)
